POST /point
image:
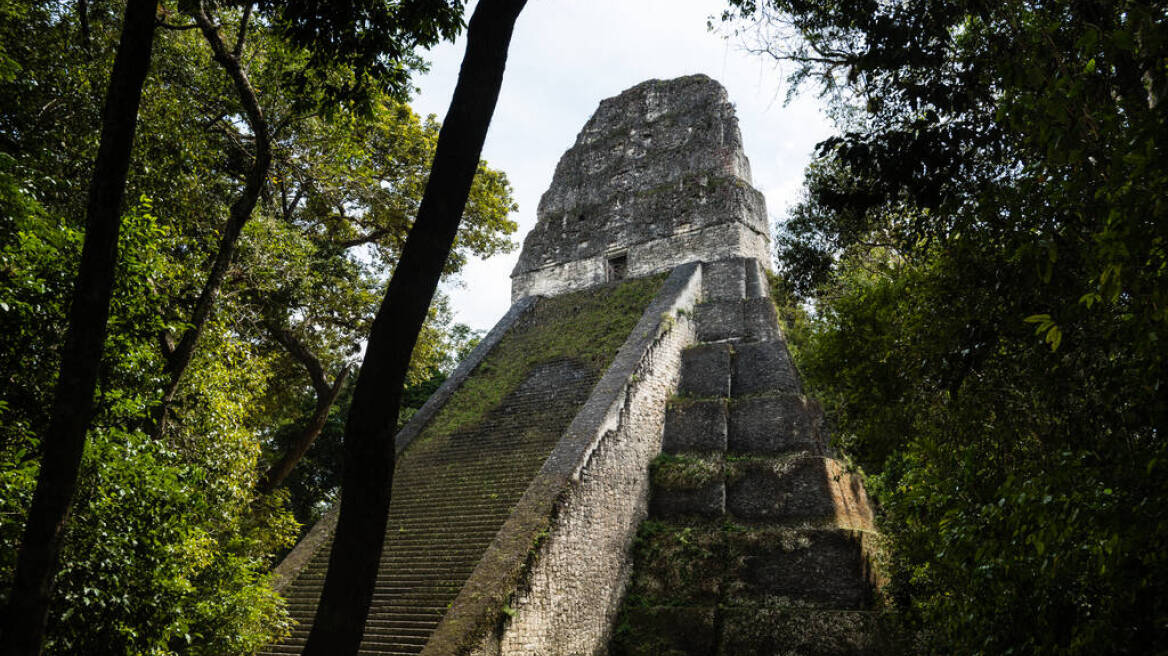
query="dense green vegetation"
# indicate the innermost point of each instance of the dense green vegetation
(169, 540)
(982, 253)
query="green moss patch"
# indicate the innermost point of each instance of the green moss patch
(676, 564)
(737, 466)
(588, 327)
(664, 631)
(685, 471)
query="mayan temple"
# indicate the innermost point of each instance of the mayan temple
(626, 464)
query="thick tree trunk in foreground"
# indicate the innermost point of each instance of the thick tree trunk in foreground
(369, 449)
(36, 564)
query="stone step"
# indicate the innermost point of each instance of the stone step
(768, 630)
(404, 625)
(695, 426)
(763, 368)
(705, 371)
(714, 562)
(724, 280)
(720, 321)
(462, 508)
(822, 568)
(666, 630)
(740, 370)
(801, 488)
(389, 592)
(737, 321)
(404, 541)
(748, 631)
(734, 278)
(393, 569)
(774, 424)
(687, 484)
(458, 476)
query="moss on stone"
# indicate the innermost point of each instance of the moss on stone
(664, 631)
(587, 327)
(677, 564)
(685, 471)
(738, 466)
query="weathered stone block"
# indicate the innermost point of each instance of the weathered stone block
(724, 280)
(760, 320)
(763, 367)
(705, 371)
(688, 485)
(810, 489)
(709, 500)
(719, 320)
(666, 631)
(775, 631)
(678, 564)
(695, 426)
(757, 285)
(772, 424)
(825, 568)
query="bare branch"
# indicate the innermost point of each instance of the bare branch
(239, 38)
(301, 353)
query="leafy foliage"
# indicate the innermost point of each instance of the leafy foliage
(168, 544)
(983, 245)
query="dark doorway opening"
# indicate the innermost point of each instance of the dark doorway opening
(618, 267)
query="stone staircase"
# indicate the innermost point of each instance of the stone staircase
(451, 493)
(757, 541)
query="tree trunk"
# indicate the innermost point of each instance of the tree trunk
(276, 474)
(326, 396)
(369, 447)
(178, 360)
(36, 564)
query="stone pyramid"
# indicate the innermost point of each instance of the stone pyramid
(640, 318)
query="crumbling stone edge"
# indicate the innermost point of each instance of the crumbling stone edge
(321, 532)
(547, 523)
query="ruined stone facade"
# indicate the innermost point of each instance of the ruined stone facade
(522, 483)
(656, 178)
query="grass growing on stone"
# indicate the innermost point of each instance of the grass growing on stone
(676, 564)
(685, 471)
(587, 326)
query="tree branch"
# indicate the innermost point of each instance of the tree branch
(22, 625)
(239, 38)
(238, 215)
(302, 354)
(368, 460)
(279, 471)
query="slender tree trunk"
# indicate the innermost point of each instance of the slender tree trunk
(179, 359)
(36, 564)
(369, 450)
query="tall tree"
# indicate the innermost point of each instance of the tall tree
(166, 545)
(985, 243)
(178, 356)
(28, 607)
(369, 448)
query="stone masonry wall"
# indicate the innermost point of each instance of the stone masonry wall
(552, 580)
(458, 480)
(657, 177)
(716, 242)
(575, 588)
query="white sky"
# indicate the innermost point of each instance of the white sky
(568, 55)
